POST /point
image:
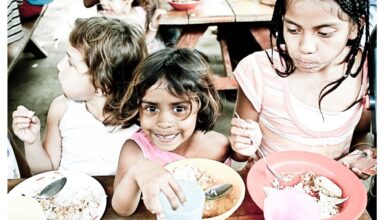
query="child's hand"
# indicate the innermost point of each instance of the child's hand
(361, 162)
(25, 125)
(153, 178)
(154, 23)
(245, 136)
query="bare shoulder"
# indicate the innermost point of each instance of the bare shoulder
(213, 145)
(57, 109)
(130, 146)
(130, 153)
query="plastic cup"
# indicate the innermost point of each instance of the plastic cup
(23, 207)
(191, 210)
(291, 205)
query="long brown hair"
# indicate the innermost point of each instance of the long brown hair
(112, 49)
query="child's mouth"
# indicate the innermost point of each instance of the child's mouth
(166, 138)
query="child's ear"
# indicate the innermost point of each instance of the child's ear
(353, 33)
(355, 29)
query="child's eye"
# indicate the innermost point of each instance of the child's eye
(179, 109)
(151, 108)
(293, 30)
(325, 34)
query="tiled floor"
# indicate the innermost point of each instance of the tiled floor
(33, 82)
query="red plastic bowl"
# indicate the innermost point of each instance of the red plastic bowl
(299, 161)
(184, 6)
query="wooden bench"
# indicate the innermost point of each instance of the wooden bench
(228, 82)
(26, 44)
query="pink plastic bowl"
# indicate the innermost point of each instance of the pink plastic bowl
(184, 6)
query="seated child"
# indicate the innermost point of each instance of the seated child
(307, 94)
(143, 12)
(83, 132)
(173, 99)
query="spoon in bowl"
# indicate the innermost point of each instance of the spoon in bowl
(217, 191)
(53, 188)
(284, 180)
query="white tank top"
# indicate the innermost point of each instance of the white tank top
(89, 146)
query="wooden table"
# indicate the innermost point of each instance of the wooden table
(247, 211)
(195, 22)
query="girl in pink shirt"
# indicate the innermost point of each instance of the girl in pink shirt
(174, 101)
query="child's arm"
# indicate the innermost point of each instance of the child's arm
(153, 25)
(126, 190)
(40, 156)
(245, 135)
(136, 174)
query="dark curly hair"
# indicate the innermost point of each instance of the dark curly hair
(186, 73)
(358, 13)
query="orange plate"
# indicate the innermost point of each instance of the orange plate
(301, 162)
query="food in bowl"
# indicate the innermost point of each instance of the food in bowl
(82, 197)
(300, 162)
(81, 204)
(204, 179)
(327, 194)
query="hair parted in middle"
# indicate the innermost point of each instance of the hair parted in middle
(186, 74)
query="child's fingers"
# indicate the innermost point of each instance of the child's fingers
(21, 123)
(178, 192)
(171, 196)
(239, 142)
(22, 111)
(239, 131)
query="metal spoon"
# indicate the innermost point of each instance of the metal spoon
(53, 188)
(291, 181)
(217, 191)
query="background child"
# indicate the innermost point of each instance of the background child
(305, 94)
(82, 127)
(144, 12)
(173, 99)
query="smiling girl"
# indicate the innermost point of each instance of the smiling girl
(173, 99)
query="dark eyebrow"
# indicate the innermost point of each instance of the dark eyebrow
(316, 27)
(172, 104)
(147, 102)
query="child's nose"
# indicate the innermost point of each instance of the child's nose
(61, 64)
(165, 119)
(308, 44)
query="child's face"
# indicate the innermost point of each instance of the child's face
(116, 7)
(314, 34)
(167, 120)
(74, 77)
